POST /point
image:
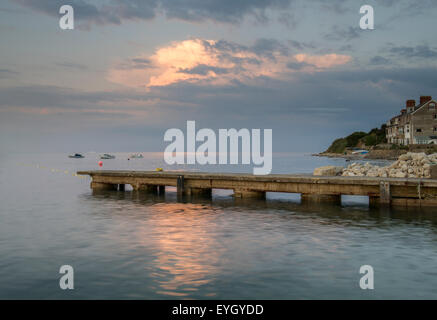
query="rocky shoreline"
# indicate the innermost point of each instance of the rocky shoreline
(409, 165)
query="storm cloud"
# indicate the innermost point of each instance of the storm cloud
(114, 12)
(420, 51)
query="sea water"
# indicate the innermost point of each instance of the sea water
(127, 245)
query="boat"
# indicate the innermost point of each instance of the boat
(76, 156)
(107, 156)
(360, 152)
(136, 156)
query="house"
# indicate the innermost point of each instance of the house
(416, 124)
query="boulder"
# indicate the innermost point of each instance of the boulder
(400, 174)
(411, 165)
(433, 171)
(405, 157)
(328, 171)
(418, 156)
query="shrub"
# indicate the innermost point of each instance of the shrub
(370, 140)
(374, 137)
(354, 138)
(338, 146)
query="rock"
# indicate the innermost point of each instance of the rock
(418, 156)
(433, 172)
(405, 157)
(373, 174)
(400, 175)
(411, 165)
(328, 171)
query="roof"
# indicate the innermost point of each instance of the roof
(422, 105)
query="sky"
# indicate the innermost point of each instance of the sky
(132, 69)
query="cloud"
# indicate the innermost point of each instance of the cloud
(297, 65)
(72, 65)
(40, 96)
(219, 63)
(41, 99)
(420, 51)
(230, 11)
(7, 73)
(344, 33)
(83, 10)
(203, 70)
(398, 81)
(378, 60)
(309, 106)
(323, 61)
(117, 11)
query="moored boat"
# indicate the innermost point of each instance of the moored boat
(107, 156)
(136, 156)
(76, 156)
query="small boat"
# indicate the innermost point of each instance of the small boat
(136, 156)
(76, 156)
(107, 156)
(360, 152)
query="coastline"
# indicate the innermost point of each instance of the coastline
(372, 155)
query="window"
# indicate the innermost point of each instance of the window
(431, 106)
(435, 117)
(435, 129)
(418, 130)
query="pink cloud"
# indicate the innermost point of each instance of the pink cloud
(211, 62)
(324, 61)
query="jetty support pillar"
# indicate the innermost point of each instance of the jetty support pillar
(180, 186)
(147, 188)
(384, 198)
(100, 186)
(161, 190)
(321, 198)
(243, 193)
(200, 192)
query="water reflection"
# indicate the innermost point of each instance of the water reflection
(195, 243)
(188, 252)
(348, 214)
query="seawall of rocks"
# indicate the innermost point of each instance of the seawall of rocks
(409, 165)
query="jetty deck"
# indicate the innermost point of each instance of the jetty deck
(381, 191)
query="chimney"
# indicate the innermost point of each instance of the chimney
(425, 99)
(411, 103)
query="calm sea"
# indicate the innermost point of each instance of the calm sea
(124, 245)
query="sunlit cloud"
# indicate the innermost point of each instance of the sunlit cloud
(323, 62)
(217, 63)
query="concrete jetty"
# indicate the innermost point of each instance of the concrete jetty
(381, 191)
